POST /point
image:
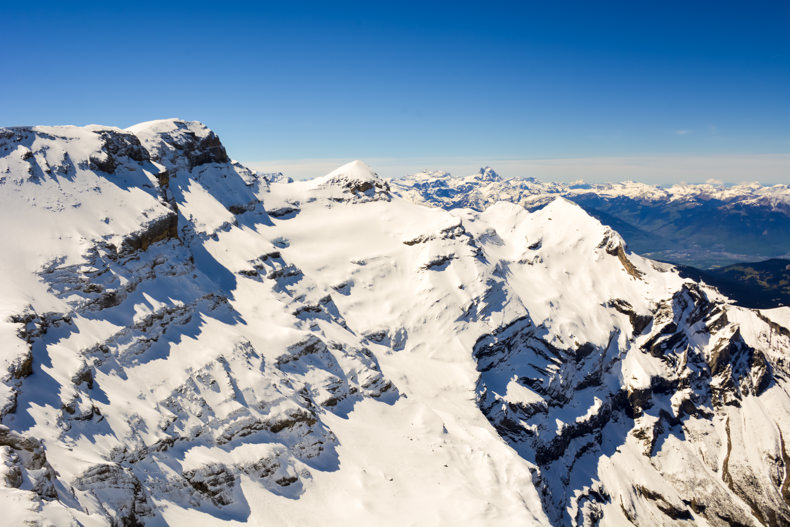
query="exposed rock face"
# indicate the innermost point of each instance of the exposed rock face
(115, 147)
(119, 492)
(699, 387)
(25, 464)
(216, 481)
(160, 229)
(180, 141)
(613, 244)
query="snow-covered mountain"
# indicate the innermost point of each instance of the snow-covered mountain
(698, 225)
(184, 342)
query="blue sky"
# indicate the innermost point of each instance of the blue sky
(434, 83)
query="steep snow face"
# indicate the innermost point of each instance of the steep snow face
(187, 342)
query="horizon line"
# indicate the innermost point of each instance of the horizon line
(766, 169)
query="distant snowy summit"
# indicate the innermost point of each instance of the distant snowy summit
(701, 225)
(183, 341)
(354, 180)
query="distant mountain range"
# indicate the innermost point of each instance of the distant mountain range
(702, 226)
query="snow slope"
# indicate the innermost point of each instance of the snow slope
(186, 342)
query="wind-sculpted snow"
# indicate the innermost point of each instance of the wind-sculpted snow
(186, 342)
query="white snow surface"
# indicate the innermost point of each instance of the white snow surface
(190, 344)
(780, 315)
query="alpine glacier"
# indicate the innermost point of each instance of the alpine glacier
(185, 341)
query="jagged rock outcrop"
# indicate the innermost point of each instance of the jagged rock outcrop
(179, 143)
(118, 494)
(25, 464)
(704, 372)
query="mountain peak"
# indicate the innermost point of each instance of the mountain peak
(487, 174)
(563, 207)
(357, 170)
(355, 178)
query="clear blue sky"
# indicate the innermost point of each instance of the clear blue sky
(520, 80)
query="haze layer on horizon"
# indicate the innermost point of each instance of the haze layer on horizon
(766, 169)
